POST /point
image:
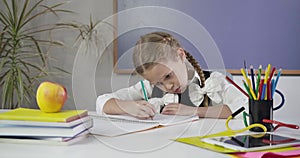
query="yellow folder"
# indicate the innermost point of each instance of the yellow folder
(26, 114)
(196, 141)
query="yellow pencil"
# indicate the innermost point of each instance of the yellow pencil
(251, 89)
(267, 73)
(244, 74)
(268, 69)
(249, 84)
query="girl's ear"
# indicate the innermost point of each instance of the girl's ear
(181, 54)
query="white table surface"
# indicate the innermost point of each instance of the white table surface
(147, 144)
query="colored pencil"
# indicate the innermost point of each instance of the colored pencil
(247, 89)
(145, 94)
(263, 93)
(249, 83)
(276, 81)
(144, 90)
(244, 73)
(266, 81)
(260, 89)
(273, 87)
(258, 79)
(251, 91)
(245, 66)
(269, 90)
(252, 78)
(272, 73)
(238, 87)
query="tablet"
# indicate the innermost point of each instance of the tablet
(252, 141)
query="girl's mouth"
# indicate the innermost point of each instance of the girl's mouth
(178, 90)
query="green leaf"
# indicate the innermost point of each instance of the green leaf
(62, 70)
(37, 67)
(7, 91)
(3, 77)
(19, 85)
(9, 15)
(26, 76)
(29, 13)
(43, 12)
(15, 12)
(4, 19)
(3, 62)
(22, 15)
(42, 57)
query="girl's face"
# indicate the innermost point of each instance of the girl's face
(169, 75)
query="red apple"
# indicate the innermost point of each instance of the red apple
(51, 96)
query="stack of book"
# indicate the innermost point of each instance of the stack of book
(33, 126)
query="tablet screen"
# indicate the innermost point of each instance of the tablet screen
(256, 141)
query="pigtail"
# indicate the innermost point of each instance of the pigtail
(198, 69)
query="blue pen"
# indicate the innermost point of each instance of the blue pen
(273, 87)
(263, 92)
(144, 90)
(276, 81)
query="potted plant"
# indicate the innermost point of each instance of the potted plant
(90, 36)
(24, 51)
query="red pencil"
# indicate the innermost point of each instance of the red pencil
(271, 74)
(269, 97)
(268, 90)
(238, 87)
(260, 88)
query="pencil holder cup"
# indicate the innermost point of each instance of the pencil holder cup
(259, 110)
(262, 109)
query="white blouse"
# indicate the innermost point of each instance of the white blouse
(216, 87)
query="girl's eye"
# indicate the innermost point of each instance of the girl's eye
(168, 76)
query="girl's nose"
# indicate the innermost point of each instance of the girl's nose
(169, 85)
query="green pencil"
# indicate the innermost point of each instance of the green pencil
(248, 90)
(144, 90)
(258, 79)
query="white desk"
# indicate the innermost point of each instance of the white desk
(148, 144)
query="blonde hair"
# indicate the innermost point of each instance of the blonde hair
(156, 46)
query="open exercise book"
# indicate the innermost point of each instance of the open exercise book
(115, 125)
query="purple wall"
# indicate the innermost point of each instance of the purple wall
(258, 31)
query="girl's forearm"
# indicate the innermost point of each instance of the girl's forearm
(114, 107)
(222, 111)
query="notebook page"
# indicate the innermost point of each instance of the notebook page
(158, 118)
(117, 127)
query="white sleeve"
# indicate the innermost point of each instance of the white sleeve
(234, 98)
(229, 94)
(131, 93)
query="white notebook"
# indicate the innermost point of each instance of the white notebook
(26, 130)
(44, 140)
(114, 125)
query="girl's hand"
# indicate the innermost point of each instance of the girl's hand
(179, 109)
(140, 109)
